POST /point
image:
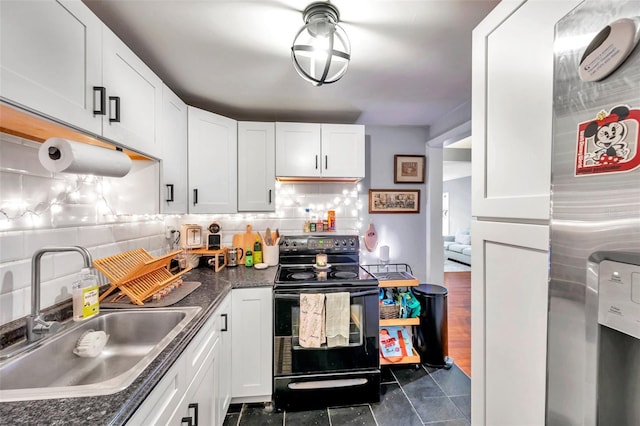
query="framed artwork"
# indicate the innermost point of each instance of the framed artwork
(408, 168)
(394, 201)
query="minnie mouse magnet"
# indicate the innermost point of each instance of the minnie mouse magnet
(609, 143)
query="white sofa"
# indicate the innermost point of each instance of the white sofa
(458, 247)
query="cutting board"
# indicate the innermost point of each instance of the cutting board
(244, 240)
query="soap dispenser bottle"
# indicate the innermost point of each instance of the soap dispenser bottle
(85, 292)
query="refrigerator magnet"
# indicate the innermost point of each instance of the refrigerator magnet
(609, 143)
(608, 49)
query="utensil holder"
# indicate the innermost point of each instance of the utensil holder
(270, 255)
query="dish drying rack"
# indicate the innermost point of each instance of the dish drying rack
(137, 274)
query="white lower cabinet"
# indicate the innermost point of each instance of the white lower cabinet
(509, 319)
(196, 388)
(252, 344)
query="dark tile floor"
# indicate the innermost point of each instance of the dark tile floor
(410, 396)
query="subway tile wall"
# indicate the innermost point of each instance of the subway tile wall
(39, 208)
(109, 216)
(292, 202)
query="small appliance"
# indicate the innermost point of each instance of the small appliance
(191, 236)
(214, 238)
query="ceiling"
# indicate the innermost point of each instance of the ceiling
(411, 60)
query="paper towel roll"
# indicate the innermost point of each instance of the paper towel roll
(384, 253)
(62, 155)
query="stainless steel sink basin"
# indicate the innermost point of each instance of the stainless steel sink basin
(52, 370)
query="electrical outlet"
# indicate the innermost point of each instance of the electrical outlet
(169, 232)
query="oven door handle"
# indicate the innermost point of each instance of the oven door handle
(296, 296)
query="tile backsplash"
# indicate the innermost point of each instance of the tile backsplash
(112, 215)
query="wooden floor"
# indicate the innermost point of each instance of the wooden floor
(459, 306)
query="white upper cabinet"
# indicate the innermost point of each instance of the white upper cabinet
(134, 97)
(58, 59)
(256, 166)
(513, 53)
(50, 59)
(173, 143)
(213, 157)
(319, 150)
(343, 150)
(298, 149)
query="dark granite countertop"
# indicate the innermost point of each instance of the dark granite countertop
(117, 408)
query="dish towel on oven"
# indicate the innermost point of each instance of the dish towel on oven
(337, 319)
(312, 331)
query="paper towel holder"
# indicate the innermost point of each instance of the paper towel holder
(61, 155)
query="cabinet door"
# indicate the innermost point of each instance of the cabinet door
(343, 150)
(256, 167)
(252, 342)
(50, 59)
(159, 407)
(509, 322)
(134, 97)
(213, 158)
(298, 149)
(173, 142)
(512, 137)
(198, 403)
(223, 398)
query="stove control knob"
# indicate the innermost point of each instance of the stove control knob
(344, 243)
(352, 243)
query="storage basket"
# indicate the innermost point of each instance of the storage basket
(389, 311)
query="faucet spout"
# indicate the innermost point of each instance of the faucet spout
(36, 325)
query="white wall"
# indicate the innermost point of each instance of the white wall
(459, 203)
(405, 234)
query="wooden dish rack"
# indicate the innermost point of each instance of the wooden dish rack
(138, 274)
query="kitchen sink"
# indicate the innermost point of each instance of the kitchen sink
(52, 370)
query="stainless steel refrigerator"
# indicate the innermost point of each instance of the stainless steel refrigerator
(593, 346)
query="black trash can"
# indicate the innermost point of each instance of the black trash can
(430, 338)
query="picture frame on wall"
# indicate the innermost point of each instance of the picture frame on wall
(394, 201)
(408, 168)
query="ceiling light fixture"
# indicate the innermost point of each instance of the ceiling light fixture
(321, 49)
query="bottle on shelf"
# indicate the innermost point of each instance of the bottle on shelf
(248, 257)
(257, 251)
(307, 222)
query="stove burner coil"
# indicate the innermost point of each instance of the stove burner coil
(301, 276)
(345, 274)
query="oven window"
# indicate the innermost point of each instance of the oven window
(361, 351)
(355, 327)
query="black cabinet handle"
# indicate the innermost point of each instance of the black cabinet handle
(326, 162)
(102, 93)
(115, 101)
(269, 196)
(170, 192)
(187, 420)
(195, 196)
(316, 162)
(226, 322)
(194, 405)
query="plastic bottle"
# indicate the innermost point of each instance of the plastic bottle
(248, 257)
(84, 292)
(257, 252)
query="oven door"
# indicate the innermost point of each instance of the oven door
(290, 359)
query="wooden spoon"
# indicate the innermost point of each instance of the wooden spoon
(268, 236)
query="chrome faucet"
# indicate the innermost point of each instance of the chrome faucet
(36, 325)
